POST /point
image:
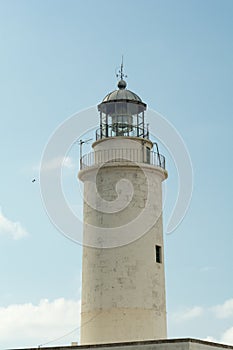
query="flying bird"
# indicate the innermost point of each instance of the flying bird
(34, 180)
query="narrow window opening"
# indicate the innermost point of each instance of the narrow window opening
(158, 254)
(148, 155)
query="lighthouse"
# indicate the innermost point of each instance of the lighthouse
(123, 280)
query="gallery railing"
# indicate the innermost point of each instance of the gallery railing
(102, 157)
(116, 130)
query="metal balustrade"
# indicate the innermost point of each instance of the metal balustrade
(101, 157)
(113, 131)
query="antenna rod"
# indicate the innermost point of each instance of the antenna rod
(120, 73)
(81, 142)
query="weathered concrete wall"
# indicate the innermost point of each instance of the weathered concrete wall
(132, 148)
(123, 288)
(121, 142)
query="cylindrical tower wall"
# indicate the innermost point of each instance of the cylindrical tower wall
(123, 288)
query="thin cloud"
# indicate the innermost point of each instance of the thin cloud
(211, 339)
(33, 325)
(227, 337)
(188, 314)
(64, 162)
(10, 228)
(207, 268)
(224, 310)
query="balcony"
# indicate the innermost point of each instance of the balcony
(141, 156)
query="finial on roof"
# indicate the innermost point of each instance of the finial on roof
(122, 83)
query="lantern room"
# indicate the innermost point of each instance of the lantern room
(122, 114)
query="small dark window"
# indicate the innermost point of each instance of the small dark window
(148, 155)
(158, 254)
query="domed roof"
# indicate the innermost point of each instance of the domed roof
(122, 94)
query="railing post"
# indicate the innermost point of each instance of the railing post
(101, 126)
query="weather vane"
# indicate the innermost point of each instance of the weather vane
(120, 73)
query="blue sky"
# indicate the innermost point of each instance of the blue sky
(59, 57)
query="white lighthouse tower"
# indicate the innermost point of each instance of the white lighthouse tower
(123, 283)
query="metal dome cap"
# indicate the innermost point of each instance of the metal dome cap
(122, 95)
